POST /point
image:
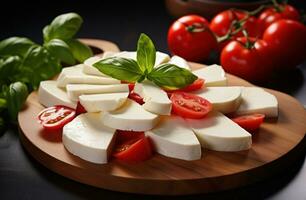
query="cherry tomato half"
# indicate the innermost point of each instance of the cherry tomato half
(134, 96)
(132, 146)
(190, 105)
(249, 122)
(191, 38)
(55, 117)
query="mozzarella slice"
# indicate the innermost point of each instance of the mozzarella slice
(131, 116)
(103, 102)
(86, 137)
(257, 100)
(179, 61)
(224, 99)
(75, 75)
(49, 95)
(213, 75)
(219, 133)
(76, 90)
(156, 100)
(172, 137)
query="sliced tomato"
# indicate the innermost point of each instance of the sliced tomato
(55, 117)
(190, 105)
(134, 96)
(196, 85)
(132, 146)
(131, 85)
(80, 109)
(249, 122)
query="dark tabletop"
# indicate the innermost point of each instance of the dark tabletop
(21, 177)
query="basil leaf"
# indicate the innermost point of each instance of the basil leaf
(15, 46)
(2, 104)
(146, 53)
(169, 75)
(63, 27)
(38, 65)
(60, 50)
(79, 50)
(120, 68)
(15, 95)
(9, 67)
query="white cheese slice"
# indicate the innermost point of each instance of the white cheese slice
(75, 75)
(179, 61)
(130, 116)
(219, 133)
(86, 137)
(49, 95)
(257, 100)
(172, 137)
(156, 100)
(224, 99)
(213, 75)
(76, 90)
(103, 102)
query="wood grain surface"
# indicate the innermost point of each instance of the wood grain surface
(275, 146)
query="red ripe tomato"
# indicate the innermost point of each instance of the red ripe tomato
(134, 96)
(132, 146)
(288, 40)
(55, 117)
(221, 24)
(249, 122)
(254, 64)
(190, 105)
(191, 38)
(196, 85)
(272, 14)
(80, 109)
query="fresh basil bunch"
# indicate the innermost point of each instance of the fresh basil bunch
(166, 75)
(23, 63)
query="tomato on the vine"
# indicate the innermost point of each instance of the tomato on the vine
(191, 38)
(251, 60)
(288, 40)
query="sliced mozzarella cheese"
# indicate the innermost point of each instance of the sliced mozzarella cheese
(257, 100)
(224, 99)
(130, 116)
(75, 75)
(217, 132)
(213, 75)
(75, 90)
(49, 95)
(179, 61)
(86, 137)
(103, 102)
(156, 100)
(172, 137)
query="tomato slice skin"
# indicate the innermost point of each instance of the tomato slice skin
(196, 85)
(249, 122)
(190, 105)
(134, 96)
(55, 117)
(132, 146)
(80, 109)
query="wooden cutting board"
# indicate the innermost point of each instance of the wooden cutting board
(275, 146)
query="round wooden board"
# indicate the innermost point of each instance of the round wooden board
(275, 146)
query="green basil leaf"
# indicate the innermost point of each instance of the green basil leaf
(38, 65)
(63, 27)
(15, 95)
(2, 104)
(15, 46)
(60, 50)
(169, 75)
(9, 67)
(146, 53)
(120, 68)
(79, 50)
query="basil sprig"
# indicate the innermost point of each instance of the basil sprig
(165, 75)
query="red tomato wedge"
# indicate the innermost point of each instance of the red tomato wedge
(196, 85)
(249, 122)
(55, 117)
(190, 105)
(132, 146)
(80, 109)
(134, 96)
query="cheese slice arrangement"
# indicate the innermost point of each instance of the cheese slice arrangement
(116, 105)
